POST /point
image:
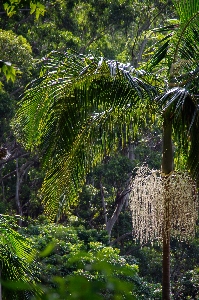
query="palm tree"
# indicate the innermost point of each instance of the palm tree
(179, 103)
(81, 105)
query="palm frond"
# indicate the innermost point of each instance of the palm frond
(75, 113)
(16, 255)
(180, 48)
(182, 103)
(184, 50)
(17, 244)
(161, 53)
(182, 97)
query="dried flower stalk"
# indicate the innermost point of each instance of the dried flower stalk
(150, 193)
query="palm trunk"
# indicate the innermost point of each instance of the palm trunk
(166, 289)
(167, 167)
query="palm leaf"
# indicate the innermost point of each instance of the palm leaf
(16, 256)
(181, 46)
(75, 113)
(17, 244)
(185, 48)
(181, 99)
(161, 53)
(182, 102)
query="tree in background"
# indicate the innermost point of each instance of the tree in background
(117, 30)
(33, 6)
(11, 7)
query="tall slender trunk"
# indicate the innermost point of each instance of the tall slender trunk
(167, 167)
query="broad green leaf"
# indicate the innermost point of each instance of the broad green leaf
(48, 250)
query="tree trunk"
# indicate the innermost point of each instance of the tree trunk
(166, 289)
(167, 168)
(119, 203)
(20, 173)
(167, 151)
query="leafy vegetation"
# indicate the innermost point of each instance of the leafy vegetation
(18, 267)
(75, 125)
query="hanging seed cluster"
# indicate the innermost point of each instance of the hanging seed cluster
(162, 203)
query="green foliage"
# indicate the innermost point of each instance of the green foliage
(72, 256)
(104, 284)
(90, 87)
(188, 285)
(185, 274)
(6, 111)
(8, 70)
(79, 256)
(16, 243)
(15, 49)
(180, 99)
(12, 6)
(115, 171)
(116, 29)
(53, 38)
(16, 256)
(37, 8)
(15, 54)
(149, 147)
(75, 257)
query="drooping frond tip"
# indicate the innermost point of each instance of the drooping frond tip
(75, 113)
